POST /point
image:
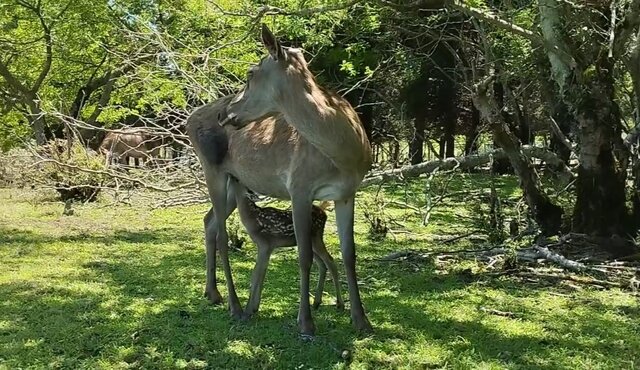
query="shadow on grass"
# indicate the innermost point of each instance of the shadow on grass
(17, 236)
(146, 309)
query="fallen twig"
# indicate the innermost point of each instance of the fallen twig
(575, 279)
(451, 240)
(497, 312)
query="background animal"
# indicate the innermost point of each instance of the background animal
(120, 146)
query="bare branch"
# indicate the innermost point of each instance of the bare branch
(46, 65)
(265, 10)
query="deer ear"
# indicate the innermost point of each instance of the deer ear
(272, 44)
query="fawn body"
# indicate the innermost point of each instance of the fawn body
(272, 228)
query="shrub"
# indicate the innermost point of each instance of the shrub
(76, 173)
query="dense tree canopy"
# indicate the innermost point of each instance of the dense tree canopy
(420, 73)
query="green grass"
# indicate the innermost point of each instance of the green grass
(121, 287)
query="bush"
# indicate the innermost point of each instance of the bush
(17, 168)
(76, 173)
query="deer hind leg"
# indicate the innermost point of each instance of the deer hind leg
(217, 186)
(211, 291)
(324, 261)
(301, 207)
(344, 219)
(257, 277)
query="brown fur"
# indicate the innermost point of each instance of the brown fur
(301, 143)
(129, 144)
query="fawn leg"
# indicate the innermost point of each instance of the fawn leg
(257, 277)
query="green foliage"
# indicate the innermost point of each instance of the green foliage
(13, 132)
(76, 174)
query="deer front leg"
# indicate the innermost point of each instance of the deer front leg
(257, 277)
(211, 291)
(302, 226)
(344, 221)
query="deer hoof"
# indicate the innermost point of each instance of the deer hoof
(213, 296)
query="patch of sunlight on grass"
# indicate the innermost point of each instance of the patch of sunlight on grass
(121, 287)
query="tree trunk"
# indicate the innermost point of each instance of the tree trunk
(501, 166)
(395, 153)
(547, 215)
(471, 137)
(38, 124)
(600, 205)
(416, 152)
(448, 135)
(588, 89)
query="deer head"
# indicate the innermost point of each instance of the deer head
(269, 82)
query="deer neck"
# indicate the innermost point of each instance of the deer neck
(329, 123)
(247, 209)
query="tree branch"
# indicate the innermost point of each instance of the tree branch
(13, 81)
(627, 28)
(46, 65)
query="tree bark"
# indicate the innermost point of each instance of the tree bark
(416, 146)
(600, 207)
(471, 137)
(547, 214)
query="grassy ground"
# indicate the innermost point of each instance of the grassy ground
(121, 287)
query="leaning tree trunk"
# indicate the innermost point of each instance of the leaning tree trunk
(547, 214)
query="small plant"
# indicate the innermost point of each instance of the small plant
(374, 214)
(496, 217)
(236, 240)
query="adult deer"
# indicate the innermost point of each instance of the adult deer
(129, 144)
(292, 140)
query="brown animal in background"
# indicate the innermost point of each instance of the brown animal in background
(271, 228)
(291, 139)
(120, 146)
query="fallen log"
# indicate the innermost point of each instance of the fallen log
(558, 259)
(467, 162)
